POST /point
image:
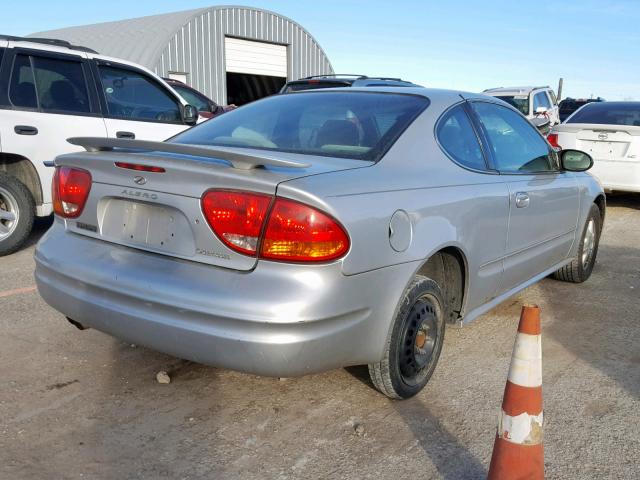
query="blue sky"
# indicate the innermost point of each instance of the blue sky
(469, 45)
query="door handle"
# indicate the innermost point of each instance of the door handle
(125, 135)
(25, 130)
(522, 200)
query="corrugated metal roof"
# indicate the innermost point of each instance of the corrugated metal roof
(193, 42)
(140, 40)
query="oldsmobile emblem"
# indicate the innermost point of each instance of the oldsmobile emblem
(139, 180)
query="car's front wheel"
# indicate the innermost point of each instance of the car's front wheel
(16, 214)
(582, 264)
(415, 341)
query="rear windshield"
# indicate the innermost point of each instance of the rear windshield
(569, 106)
(521, 102)
(312, 85)
(348, 124)
(608, 113)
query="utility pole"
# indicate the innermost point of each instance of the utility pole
(560, 88)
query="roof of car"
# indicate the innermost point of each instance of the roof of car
(431, 93)
(513, 90)
(351, 79)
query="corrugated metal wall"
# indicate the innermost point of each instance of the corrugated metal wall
(198, 47)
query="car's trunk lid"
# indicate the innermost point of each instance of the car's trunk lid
(161, 212)
(604, 142)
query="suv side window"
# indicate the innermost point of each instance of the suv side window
(552, 95)
(60, 85)
(516, 145)
(133, 96)
(22, 90)
(458, 139)
(541, 100)
(50, 84)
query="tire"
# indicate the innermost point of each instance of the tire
(581, 266)
(17, 210)
(403, 371)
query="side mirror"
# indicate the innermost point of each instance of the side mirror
(575, 160)
(190, 114)
(541, 110)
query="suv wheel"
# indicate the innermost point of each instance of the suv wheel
(415, 342)
(16, 214)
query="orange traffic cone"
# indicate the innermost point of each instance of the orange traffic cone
(517, 451)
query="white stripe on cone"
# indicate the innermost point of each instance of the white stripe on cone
(525, 369)
(522, 429)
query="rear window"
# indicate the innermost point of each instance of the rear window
(349, 124)
(608, 113)
(312, 85)
(521, 102)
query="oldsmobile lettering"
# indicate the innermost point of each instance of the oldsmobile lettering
(139, 194)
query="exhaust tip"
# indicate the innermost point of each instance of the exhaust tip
(76, 324)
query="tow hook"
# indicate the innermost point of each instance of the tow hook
(76, 324)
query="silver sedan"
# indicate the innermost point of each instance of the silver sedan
(316, 230)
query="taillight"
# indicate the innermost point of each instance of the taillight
(552, 138)
(300, 233)
(236, 217)
(287, 230)
(70, 190)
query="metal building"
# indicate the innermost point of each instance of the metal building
(232, 54)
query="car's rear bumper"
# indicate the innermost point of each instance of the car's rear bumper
(617, 175)
(278, 320)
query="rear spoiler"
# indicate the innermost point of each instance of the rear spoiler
(237, 158)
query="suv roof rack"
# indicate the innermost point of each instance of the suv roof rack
(48, 41)
(335, 75)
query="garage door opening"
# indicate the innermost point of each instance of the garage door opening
(254, 69)
(244, 88)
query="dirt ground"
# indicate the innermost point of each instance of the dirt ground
(84, 405)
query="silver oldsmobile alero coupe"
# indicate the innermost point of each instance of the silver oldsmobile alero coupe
(316, 230)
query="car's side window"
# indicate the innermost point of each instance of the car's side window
(516, 145)
(50, 84)
(22, 90)
(133, 96)
(458, 139)
(552, 95)
(60, 85)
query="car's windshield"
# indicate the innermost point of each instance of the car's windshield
(349, 124)
(521, 102)
(608, 113)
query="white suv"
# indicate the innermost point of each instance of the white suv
(533, 102)
(51, 90)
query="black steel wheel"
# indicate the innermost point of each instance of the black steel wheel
(414, 344)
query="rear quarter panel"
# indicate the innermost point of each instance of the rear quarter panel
(447, 204)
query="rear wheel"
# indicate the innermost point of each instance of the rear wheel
(582, 264)
(414, 344)
(16, 214)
